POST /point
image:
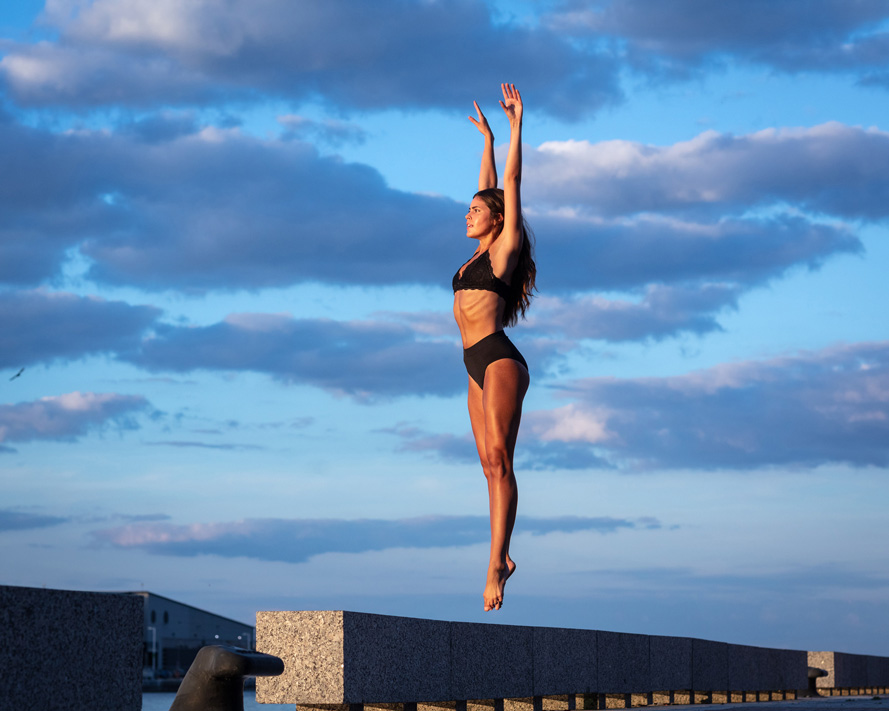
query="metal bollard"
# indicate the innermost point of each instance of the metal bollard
(215, 680)
(814, 674)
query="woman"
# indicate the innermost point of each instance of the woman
(491, 290)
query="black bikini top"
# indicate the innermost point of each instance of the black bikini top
(480, 275)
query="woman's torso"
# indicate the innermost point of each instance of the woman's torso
(478, 307)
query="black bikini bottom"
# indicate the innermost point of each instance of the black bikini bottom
(480, 355)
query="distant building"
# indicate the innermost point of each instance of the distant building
(174, 632)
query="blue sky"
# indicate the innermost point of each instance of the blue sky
(228, 234)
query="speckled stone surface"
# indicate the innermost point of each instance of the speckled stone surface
(671, 665)
(765, 669)
(748, 668)
(877, 671)
(311, 646)
(624, 663)
(850, 671)
(709, 665)
(491, 661)
(564, 661)
(823, 660)
(395, 658)
(334, 658)
(793, 668)
(68, 650)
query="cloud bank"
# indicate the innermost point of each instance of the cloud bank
(830, 169)
(171, 52)
(67, 417)
(297, 540)
(42, 327)
(11, 520)
(808, 410)
(678, 39)
(361, 359)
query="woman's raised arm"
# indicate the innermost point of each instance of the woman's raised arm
(512, 174)
(487, 176)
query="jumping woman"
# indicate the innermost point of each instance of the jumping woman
(491, 291)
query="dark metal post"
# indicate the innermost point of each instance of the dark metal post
(814, 674)
(215, 680)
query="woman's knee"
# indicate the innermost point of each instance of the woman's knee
(499, 463)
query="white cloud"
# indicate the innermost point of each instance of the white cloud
(42, 326)
(571, 424)
(829, 406)
(67, 417)
(678, 38)
(831, 169)
(298, 540)
(347, 52)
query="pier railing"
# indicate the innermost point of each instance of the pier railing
(337, 659)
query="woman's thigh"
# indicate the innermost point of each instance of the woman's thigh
(475, 401)
(506, 382)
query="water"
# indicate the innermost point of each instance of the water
(162, 702)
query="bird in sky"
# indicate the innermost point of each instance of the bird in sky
(17, 374)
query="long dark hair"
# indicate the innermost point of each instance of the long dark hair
(524, 277)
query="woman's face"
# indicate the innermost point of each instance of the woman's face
(480, 221)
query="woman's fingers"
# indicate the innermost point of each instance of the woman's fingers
(481, 123)
(476, 121)
(510, 94)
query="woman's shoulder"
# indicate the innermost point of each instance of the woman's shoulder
(505, 249)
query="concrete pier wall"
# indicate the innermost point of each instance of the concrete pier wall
(333, 658)
(850, 671)
(70, 650)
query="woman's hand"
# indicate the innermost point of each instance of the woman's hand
(512, 104)
(481, 123)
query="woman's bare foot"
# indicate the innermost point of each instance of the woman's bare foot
(497, 577)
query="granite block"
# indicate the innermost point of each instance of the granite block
(823, 660)
(878, 671)
(557, 702)
(484, 705)
(769, 671)
(709, 665)
(749, 669)
(398, 659)
(844, 671)
(623, 663)
(851, 670)
(491, 661)
(793, 669)
(671, 663)
(338, 657)
(766, 669)
(62, 649)
(615, 701)
(661, 698)
(564, 661)
(311, 646)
